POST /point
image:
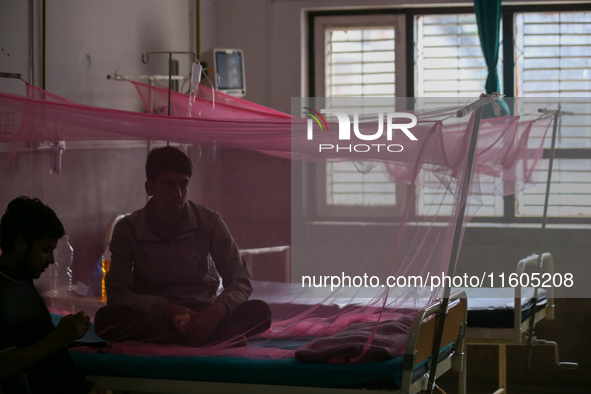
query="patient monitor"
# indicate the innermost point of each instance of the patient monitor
(228, 65)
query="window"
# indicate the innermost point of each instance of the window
(358, 57)
(545, 52)
(448, 57)
(553, 59)
(360, 61)
(449, 63)
(347, 184)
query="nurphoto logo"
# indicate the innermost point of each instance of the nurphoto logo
(392, 126)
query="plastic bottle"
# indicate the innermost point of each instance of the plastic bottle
(62, 268)
(105, 265)
(97, 275)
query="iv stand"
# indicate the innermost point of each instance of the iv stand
(476, 106)
(146, 60)
(532, 320)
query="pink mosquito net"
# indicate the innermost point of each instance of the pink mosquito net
(420, 245)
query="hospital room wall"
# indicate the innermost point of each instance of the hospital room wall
(86, 40)
(251, 190)
(83, 47)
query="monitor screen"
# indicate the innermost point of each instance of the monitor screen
(229, 68)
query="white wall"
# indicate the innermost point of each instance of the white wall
(88, 39)
(14, 44)
(85, 41)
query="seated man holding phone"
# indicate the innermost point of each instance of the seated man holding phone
(33, 354)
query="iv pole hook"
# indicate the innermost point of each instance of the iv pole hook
(146, 60)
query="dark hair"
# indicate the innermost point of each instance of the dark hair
(167, 158)
(30, 218)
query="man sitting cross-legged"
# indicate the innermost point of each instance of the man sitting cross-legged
(163, 280)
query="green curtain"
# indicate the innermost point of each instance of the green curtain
(488, 18)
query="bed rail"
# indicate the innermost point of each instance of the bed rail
(519, 334)
(272, 264)
(422, 335)
(532, 262)
(111, 227)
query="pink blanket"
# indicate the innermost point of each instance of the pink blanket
(389, 341)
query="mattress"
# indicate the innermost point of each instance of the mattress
(494, 307)
(241, 370)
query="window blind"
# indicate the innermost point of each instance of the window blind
(553, 60)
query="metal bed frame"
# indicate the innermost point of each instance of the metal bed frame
(521, 333)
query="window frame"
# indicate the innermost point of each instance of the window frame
(508, 15)
(378, 20)
(321, 25)
(408, 14)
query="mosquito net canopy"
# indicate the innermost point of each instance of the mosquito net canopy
(364, 274)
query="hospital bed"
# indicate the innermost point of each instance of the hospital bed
(407, 373)
(490, 317)
(501, 317)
